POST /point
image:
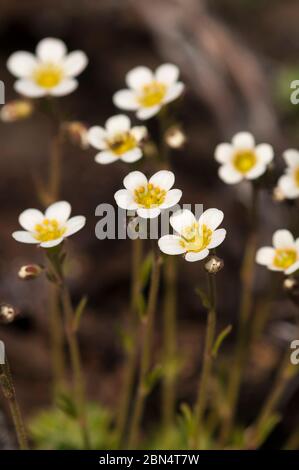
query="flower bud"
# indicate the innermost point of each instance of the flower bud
(77, 133)
(278, 195)
(7, 313)
(30, 271)
(175, 137)
(16, 110)
(214, 264)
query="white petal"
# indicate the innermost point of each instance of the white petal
(51, 50)
(264, 153)
(134, 180)
(292, 268)
(29, 218)
(132, 156)
(105, 157)
(21, 64)
(265, 256)
(291, 157)
(224, 153)
(172, 198)
(243, 140)
(67, 86)
(125, 99)
(29, 88)
(229, 175)
(125, 200)
(139, 132)
(60, 211)
(283, 239)
(170, 245)
(288, 186)
(163, 178)
(174, 92)
(75, 63)
(96, 136)
(147, 113)
(256, 172)
(192, 256)
(167, 73)
(138, 77)
(182, 219)
(52, 243)
(24, 237)
(212, 218)
(74, 224)
(148, 213)
(217, 238)
(117, 124)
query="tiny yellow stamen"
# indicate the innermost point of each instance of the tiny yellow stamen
(149, 196)
(48, 75)
(48, 230)
(284, 258)
(152, 94)
(195, 238)
(122, 143)
(296, 176)
(244, 160)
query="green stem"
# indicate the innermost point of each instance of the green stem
(204, 382)
(54, 257)
(148, 329)
(133, 351)
(170, 345)
(247, 278)
(9, 393)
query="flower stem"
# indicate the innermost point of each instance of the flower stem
(169, 310)
(247, 278)
(54, 257)
(148, 329)
(9, 393)
(133, 350)
(204, 382)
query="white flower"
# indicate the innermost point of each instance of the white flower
(289, 182)
(48, 229)
(149, 91)
(148, 197)
(195, 237)
(242, 159)
(283, 256)
(117, 141)
(50, 72)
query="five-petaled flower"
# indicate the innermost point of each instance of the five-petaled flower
(149, 92)
(148, 197)
(283, 256)
(195, 237)
(289, 182)
(50, 72)
(242, 159)
(117, 141)
(48, 229)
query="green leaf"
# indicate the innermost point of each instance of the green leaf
(66, 404)
(204, 298)
(146, 268)
(153, 377)
(220, 338)
(78, 312)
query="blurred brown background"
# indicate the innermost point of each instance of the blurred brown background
(237, 60)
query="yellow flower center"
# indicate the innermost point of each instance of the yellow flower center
(48, 75)
(284, 258)
(196, 239)
(122, 143)
(152, 94)
(149, 196)
(244, 160)
(48, 230)
(296, 176)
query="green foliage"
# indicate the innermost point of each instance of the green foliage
(57, 429)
